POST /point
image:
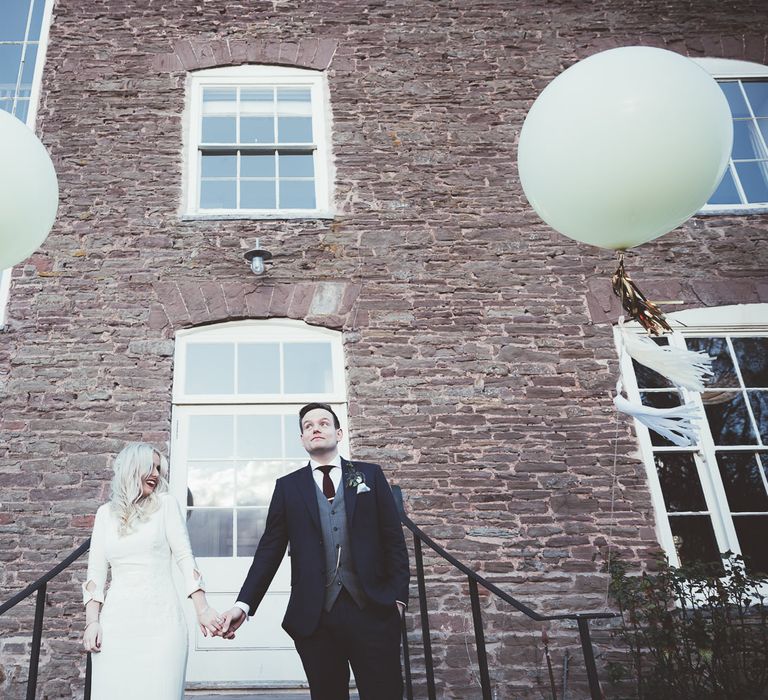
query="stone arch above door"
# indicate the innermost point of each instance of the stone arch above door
(181, 304)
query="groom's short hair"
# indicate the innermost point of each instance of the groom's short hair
(311, 407)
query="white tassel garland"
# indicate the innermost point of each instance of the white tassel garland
(676, 424)
(685, 368)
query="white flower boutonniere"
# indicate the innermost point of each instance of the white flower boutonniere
(355, 480)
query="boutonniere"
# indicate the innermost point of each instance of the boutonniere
(356, 480)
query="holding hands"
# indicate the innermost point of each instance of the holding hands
(209, 621)
(231, 621)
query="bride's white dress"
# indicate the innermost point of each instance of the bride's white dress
(144, 643)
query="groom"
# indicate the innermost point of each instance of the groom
(349, 567)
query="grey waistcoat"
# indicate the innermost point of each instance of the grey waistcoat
(333, 522)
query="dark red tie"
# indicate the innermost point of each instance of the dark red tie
(328, 491)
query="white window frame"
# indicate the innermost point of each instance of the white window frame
(255, 76)
(34, 103)
(745, 320)
(728, 69)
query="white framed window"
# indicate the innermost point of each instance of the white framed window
(236, 394)
(744, 187)
(237, 390)
(257, 142)
(23, 41)
(712, 497)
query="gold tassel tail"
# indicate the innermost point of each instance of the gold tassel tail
(645, 312)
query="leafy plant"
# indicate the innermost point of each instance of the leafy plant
(698, 632)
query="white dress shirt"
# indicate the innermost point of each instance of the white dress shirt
(334, 473)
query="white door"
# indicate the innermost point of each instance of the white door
(226, 453)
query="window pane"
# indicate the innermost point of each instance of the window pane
(752, 531)
(746, 141)
(211, 483)
(736, 101)
(752, 356)
(10, 59)
(728, 418)
(6, 105)
(256, 481)
(22, 107)
(294, 129)
(758, 400)
(757, 94)
(257, 101)
(219, 130)
(694, 539)
(679, 483)
(211, 437)
(28, 71)
(219, 166)
(37, 20)
(257, 194)
(257, 166)
(726, 192)
(293, 447)
(297, 194)
(257, 130)
(754, 180)
(259, 437)
(762, 124)
(299, 165)
(210, 368)
(220, 101)
(742, 480)
(210, 532)
(250, 528)
(294, 101)
(660, 399)
(258, 368)
(308, 368)
(218, 194)
(14, 19)
(722, 365)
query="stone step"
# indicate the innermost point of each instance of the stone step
(251, 694)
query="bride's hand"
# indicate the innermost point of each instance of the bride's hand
(209, 621)
(92, 637)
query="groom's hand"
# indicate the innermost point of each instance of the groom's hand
(233, 618)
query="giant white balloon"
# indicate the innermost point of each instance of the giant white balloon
(29, 191)
(624, 146)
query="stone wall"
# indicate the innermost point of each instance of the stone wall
(478, 341)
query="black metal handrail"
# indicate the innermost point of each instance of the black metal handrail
(475, 580)
(419, 538)
(40, 587)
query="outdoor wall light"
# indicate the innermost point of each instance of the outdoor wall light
(257, 258)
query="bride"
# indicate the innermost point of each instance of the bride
(141, 626)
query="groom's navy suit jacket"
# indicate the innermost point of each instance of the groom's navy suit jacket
(376, 540)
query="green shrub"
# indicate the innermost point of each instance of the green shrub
(698, 632)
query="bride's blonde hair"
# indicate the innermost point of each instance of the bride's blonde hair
(128, 505)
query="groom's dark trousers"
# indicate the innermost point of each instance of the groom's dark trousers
(359, 626)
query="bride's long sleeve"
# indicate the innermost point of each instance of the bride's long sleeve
(178, 540)
(93, 588)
